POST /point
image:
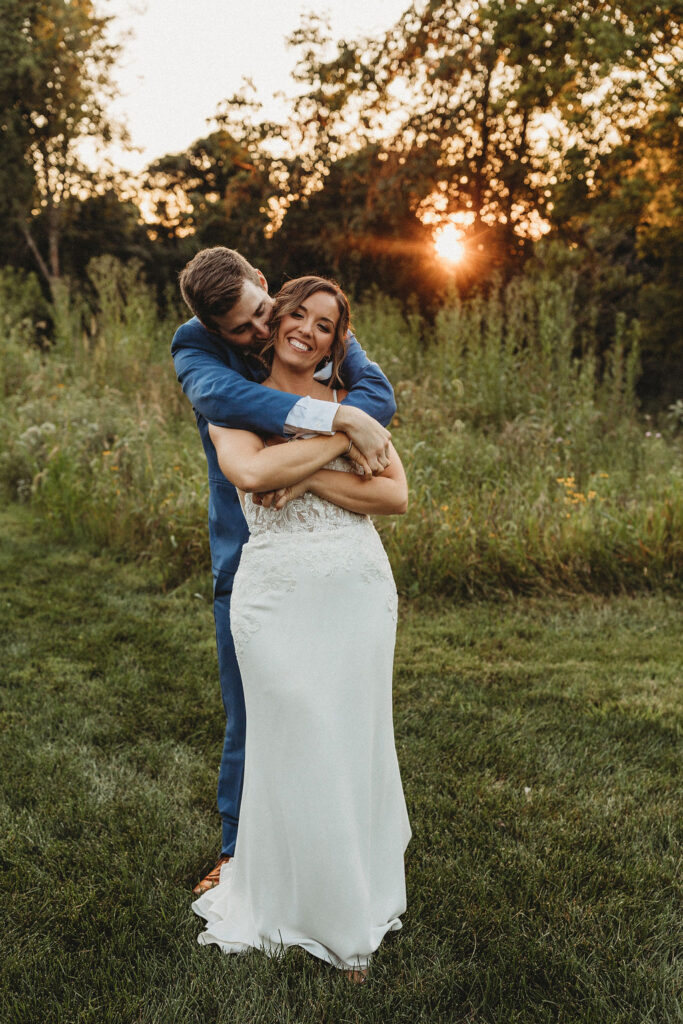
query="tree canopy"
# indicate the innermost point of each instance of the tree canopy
(55, 63)
(510, 120)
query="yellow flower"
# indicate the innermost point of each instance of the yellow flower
(592, 494)
(605, 476)
(106, 451)
(444, 508)
(114, 469)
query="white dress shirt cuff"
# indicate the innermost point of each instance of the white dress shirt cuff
(311, 415)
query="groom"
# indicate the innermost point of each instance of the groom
(215, 364)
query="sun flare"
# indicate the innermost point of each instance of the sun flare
(449, 245)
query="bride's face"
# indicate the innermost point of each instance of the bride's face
(305, 336)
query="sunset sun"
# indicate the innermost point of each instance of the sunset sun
(449, 245)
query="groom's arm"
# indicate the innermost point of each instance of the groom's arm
(368, 388)
(225, 397)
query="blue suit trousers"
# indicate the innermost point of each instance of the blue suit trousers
(231, 773)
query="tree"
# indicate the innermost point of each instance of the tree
(55, 62)
(489, 108)
(358, 227)
(217, 190)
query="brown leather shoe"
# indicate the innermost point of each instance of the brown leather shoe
(211, 880)
(358, 977)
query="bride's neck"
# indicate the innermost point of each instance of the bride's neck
(282, 378)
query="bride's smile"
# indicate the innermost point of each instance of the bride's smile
(305, 335)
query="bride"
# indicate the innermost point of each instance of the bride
(323, 823)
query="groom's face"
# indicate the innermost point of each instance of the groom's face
(246, 324)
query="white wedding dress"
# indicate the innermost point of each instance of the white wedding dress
(323, 824)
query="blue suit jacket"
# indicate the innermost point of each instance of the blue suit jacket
(222, 383)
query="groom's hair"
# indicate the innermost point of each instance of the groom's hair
(212, 282)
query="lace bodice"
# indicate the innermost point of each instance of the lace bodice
(304, 514)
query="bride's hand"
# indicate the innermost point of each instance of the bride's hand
(360, 462)
(278, 499)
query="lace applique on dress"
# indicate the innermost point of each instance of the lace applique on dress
(309, 536)
(307, 513)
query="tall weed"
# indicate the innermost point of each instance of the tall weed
(528, 465)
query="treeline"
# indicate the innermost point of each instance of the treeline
(521, 123)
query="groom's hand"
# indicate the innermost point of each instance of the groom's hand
(368, 436)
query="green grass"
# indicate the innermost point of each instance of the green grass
(538, 741)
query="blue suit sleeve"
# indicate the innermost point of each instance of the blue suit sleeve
(224, 397)
(368, 388)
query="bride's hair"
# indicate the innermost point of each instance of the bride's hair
(290, 297)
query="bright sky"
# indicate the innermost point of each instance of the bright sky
(183, 58)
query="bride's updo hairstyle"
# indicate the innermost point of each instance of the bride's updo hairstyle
(290, 297)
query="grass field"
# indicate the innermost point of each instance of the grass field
(538, 746)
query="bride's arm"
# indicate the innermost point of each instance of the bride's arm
(251, 467)
(383, 495)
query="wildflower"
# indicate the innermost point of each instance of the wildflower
(114, 469)
(658, 435)
(444, 508)
(107, 451)
(559, 440)
(560, 480)
(648, 433)
(604, 476)
(592, 494)
(176, 468)
(31, 434)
